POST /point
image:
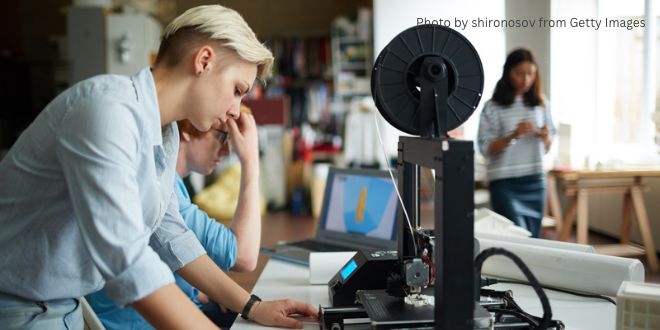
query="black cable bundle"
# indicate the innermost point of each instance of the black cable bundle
(546, 320)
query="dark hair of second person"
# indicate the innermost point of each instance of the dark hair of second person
(505, 91)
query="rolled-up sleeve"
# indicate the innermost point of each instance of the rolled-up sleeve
(549, 122)
(488, 129)
(99, 142)
(219, 241)
(175, 243)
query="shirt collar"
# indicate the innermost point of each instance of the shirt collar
(145, 88)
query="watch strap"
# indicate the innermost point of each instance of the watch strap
(248, 306)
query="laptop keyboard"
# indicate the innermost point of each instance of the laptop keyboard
(319, 246)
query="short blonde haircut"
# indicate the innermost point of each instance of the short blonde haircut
(214, 22)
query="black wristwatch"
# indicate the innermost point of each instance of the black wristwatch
(246, 310)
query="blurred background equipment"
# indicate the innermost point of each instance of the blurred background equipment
(102, 42)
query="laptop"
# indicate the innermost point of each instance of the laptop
(359, 212)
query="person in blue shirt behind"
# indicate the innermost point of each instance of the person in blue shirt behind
(234, 249)
(86, 192)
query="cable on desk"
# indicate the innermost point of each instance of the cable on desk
(576, 293)
(485, 254)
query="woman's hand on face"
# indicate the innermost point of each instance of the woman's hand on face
(277, 312)
(244, 138)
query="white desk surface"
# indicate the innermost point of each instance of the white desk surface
(281, 280)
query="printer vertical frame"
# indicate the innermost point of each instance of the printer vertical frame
(453, 163)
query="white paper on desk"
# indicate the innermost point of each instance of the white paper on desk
(324, 265)
(565, 268)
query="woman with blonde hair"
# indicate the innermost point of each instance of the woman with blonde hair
(86, 198)
(235, 248)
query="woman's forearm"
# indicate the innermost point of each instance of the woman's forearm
(246, 224)
(498, 145)
(207, 277)
(169, 308)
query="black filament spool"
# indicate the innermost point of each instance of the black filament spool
(396, 72)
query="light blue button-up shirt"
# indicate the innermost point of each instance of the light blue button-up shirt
(86, 197)
(218, 240)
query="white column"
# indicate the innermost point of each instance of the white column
(649, 83)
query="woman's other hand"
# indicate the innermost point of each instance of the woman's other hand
(244, 138)
(277, 313)
(523, 128)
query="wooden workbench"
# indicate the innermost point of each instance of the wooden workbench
(579, 184)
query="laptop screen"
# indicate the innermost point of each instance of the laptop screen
(361, 203)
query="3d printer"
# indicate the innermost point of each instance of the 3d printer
(426, 81)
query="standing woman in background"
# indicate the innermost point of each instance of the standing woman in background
(515, 131)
